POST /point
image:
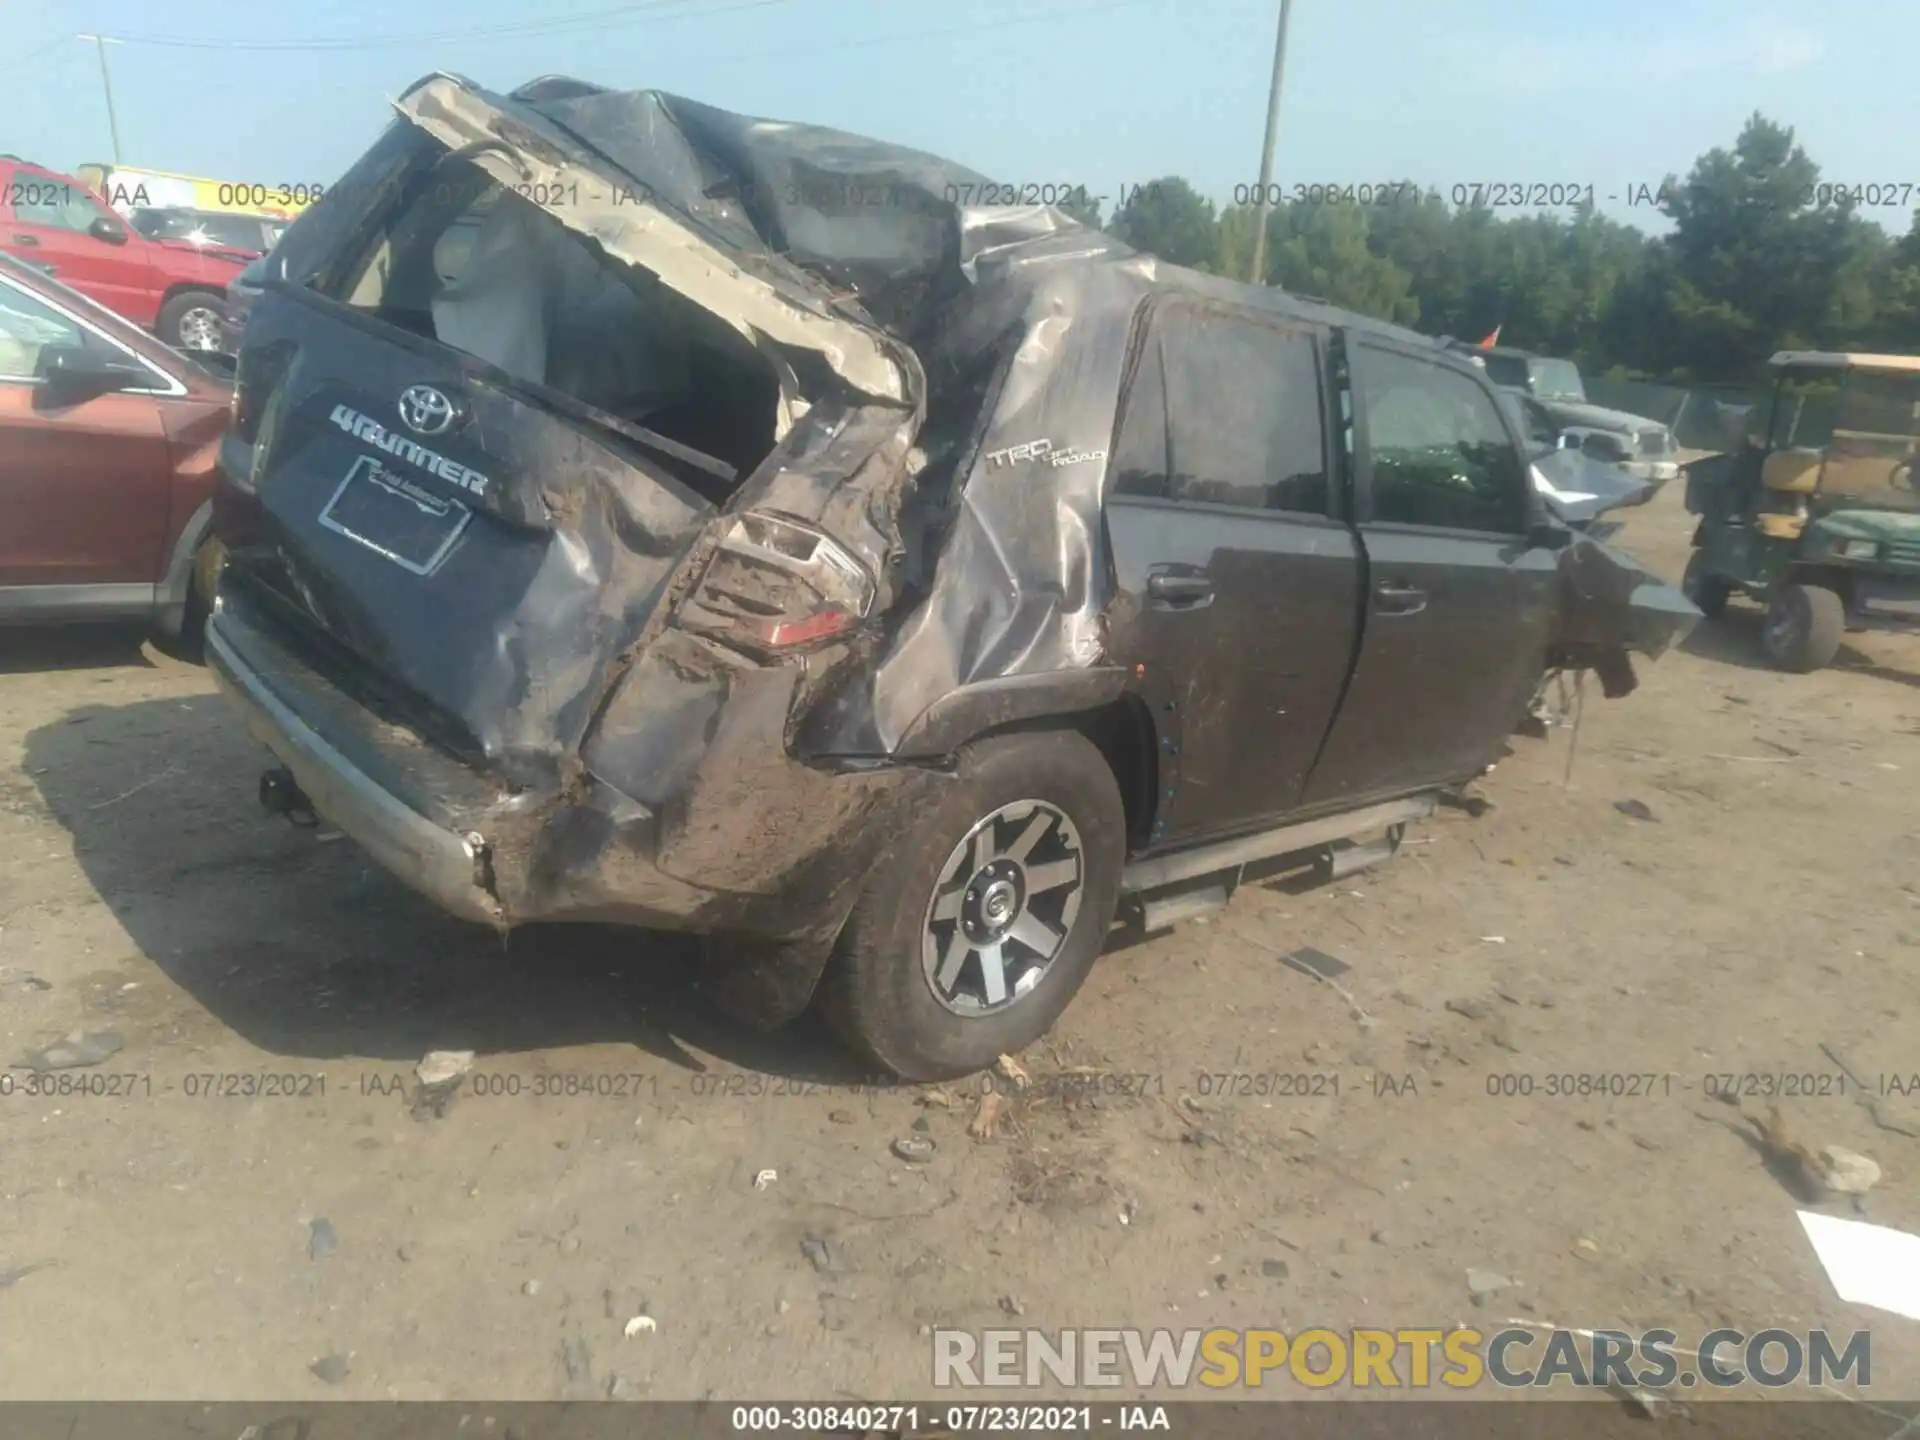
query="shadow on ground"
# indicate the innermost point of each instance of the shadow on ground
(72, 647)
(1854, 663)
(1734, 639)
(307, 949)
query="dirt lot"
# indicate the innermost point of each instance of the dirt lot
(1771, 903)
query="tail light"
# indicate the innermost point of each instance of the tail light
(777, 586)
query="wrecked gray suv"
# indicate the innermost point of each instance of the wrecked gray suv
(641, 513)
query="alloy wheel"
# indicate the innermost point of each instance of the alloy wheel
(1781, 629)
(200, 329)
(1003, 907)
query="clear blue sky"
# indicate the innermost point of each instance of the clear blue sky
(1100, 92)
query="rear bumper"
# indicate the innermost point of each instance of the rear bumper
(448, 868)
(700, 857)
(1893, 592)
(1658, 471)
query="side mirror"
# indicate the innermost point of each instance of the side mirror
(108, 230)
(70, 374)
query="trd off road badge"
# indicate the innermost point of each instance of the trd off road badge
(1040, 450)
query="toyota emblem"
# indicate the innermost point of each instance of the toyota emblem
(426, 409)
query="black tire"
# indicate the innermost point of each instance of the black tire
(1707, 591)
(188, 306)
(191, 643)
(1804, 627)
(880, 989)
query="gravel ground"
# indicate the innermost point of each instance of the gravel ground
(1210, 1138)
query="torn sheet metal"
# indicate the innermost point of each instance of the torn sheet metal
(867, 254)
(525, 150)
(1579, 489)
(1609, 601)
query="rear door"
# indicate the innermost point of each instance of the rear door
(1236, 581)
(1459, 605)
(417, 505)
(48, 223)
(84, 485)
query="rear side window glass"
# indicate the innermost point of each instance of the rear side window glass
(1440, 454)
(1225, 409)
(1507, 370)
(1534, 421)
(26, 328)
(242, 232)
(57, 205)
(1140, 452)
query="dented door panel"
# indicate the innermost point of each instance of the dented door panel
(1243, 678)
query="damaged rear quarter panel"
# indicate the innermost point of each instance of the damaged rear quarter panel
(700, 733)
(1021, 579)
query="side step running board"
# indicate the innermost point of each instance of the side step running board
(1164, 911)
(1144, 876)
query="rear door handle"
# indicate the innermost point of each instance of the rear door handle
(26, 239)
(1392, 599)
(1183, 588)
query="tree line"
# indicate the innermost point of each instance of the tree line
(1763, 255)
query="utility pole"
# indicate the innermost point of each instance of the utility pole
(106, 85)
(1266, 150)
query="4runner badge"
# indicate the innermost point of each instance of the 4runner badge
(377, 435)
(1041, 450)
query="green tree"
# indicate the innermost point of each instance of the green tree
(1758, 263)
(1169, 218)
(1083, 207)
(1323, 251)
(1759, 260)
(1422, 235)
(1234, 242)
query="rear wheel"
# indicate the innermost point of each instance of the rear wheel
(1705, 589)
(190, 642)
(979, 927)
(190, 321)
(1804, 627)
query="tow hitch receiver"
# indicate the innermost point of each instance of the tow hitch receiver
(280, 794)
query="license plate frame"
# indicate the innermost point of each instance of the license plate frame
(385, 489)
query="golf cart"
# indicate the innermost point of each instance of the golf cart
(1816, 514)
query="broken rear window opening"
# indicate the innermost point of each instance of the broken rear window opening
(463, 261)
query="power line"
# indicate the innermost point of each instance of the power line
(619, 15)
(34, 55)
(604, 20)
(1099, 9)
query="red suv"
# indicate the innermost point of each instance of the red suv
(52, 222)
(108, 443)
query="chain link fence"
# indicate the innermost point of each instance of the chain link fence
(1704, 419)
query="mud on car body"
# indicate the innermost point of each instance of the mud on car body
(881, 593)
